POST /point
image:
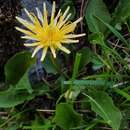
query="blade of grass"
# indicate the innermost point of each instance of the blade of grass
(91, 126)
(114, 31)
(76, 66)
(98, 105)
(123, 94)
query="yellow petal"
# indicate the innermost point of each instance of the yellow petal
(53, 12)
(78, 20)
(62, 17)
(63, 48)
(60, 20)
(25, 31)
(31, 44)
(62, 23)
(70, 41)
(26, 23)
(45, 15)
(39, 14)
(66, 11)
(28, 37)
(68, 28)
(74, 35)
(36, 50)
(44, 53)
(53, 52)
(29, 15)
(56, 18)
(37, 24)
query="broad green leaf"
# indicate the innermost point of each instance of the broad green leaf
(97, 38)
(51, 65)
(17, 66)
(66, 117)
(103, 105)
(24, 83)
(122, 11)
(39, 124)
(21, 92)
(87, 56)
(98, 8)
(76, 66)
(13, 97)
(91, 126)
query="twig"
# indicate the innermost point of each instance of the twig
(105, 128)
(120, 84)
(82, 10)
(3, 113)
(45, 110)
(46, 82)
(81, 14)
(52, 111)
(116, 45)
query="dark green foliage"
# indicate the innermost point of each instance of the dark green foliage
(86, 90)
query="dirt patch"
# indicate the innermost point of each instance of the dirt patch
(10, 41)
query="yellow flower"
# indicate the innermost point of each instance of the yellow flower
(49, 34)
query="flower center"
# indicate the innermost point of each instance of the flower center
(51, 35)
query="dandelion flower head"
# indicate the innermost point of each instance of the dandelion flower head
(52, 34)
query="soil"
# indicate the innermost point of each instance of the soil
(10, 41)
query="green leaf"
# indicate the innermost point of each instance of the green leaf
(17, 66)
(66, 117)
(87, 56)
(13, 97)
(39, 124)
(103, 105)
(122, 11)
(24, 83)
(50, 64)
(98, 8)
(21, 92)
(97, 64)
(91, 126)
(96, 38)
(76, 66)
